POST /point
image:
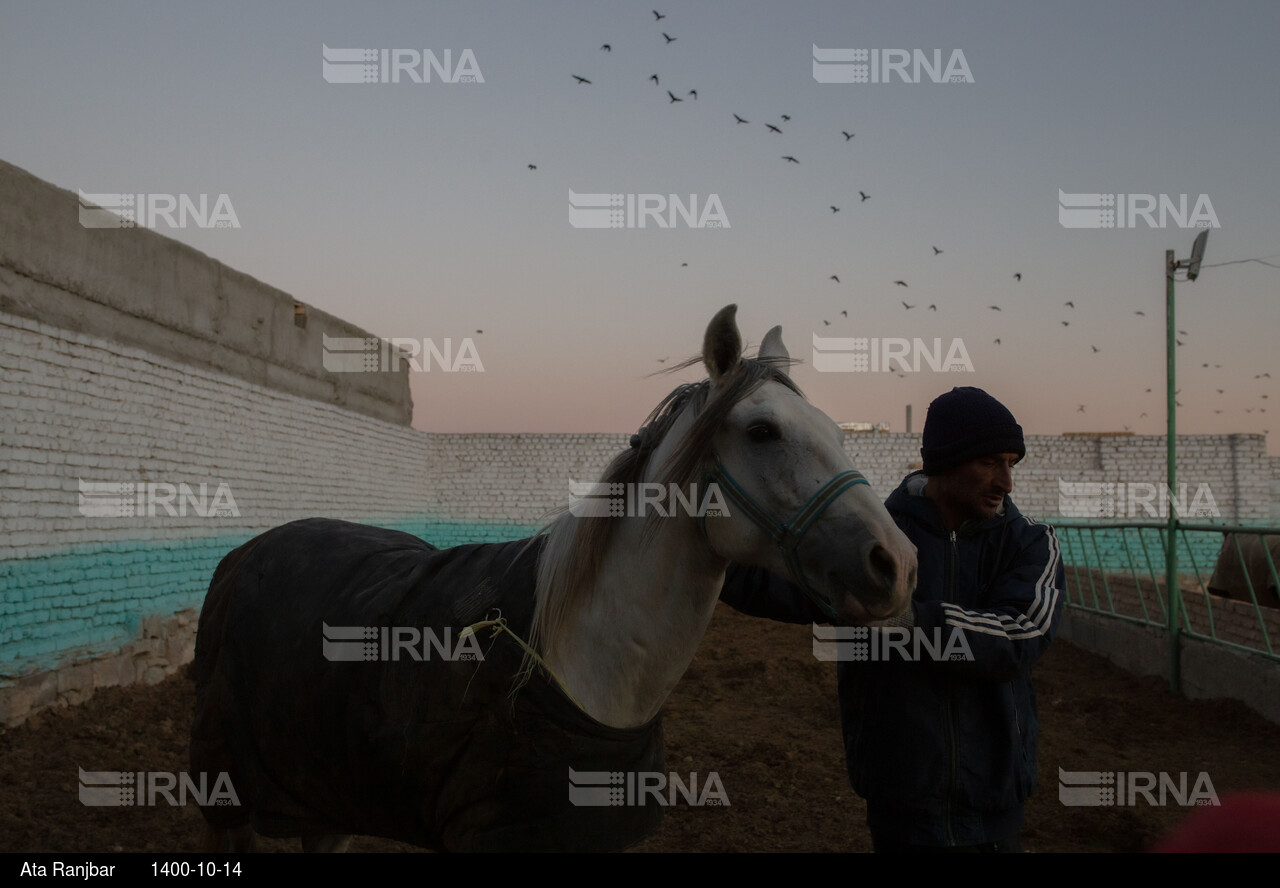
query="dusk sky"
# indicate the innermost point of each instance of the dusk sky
(410, 209)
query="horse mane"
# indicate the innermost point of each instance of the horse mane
(575, 545)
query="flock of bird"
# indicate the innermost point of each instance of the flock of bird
(777, 129)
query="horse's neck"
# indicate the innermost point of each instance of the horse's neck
(622, 653)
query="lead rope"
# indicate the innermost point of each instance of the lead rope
(499, 625)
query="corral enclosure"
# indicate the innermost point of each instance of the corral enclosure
(160, 409)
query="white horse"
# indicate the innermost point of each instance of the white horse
(588, 626)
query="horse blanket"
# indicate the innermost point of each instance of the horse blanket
(440, 752)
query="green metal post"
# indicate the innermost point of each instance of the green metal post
(1171, 458)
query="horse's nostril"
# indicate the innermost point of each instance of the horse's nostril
(882, 565)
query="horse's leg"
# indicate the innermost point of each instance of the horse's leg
(237, 840)
(328, 844)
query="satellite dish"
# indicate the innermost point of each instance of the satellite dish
(1197, 253)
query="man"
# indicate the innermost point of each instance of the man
(943, 747)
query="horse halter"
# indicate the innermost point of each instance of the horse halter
(787, 535)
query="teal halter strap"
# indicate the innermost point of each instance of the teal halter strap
(787, 535)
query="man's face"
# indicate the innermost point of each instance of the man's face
(974, 490)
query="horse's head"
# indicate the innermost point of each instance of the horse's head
(792, 501)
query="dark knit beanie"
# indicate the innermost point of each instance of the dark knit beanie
(964, 424)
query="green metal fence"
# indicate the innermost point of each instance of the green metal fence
(1118, 569)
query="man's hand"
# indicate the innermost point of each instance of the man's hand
(906, 619)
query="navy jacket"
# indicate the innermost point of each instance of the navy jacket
(943, 748)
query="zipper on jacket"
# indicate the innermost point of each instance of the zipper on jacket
(953, 559)
(955, 760)
(953, 562)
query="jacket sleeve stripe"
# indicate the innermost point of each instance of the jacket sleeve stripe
(1038, 619)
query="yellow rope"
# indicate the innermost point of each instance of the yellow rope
(500, 625)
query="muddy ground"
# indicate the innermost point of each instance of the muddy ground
(756, 708)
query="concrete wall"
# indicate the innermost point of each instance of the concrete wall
(1275, 491)
(127, 359)
(1208, 670)
(138, 288)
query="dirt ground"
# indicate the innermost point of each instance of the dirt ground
(755, 707)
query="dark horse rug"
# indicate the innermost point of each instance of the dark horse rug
(439, 751)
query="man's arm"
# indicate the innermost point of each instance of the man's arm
(1009, 635)
(758, 593)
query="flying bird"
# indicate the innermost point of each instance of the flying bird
(901, 283)
(670, 39)
(997, 342)
(847, 136)
(1066, 324)
(1069, 304)
(533, 166)
(936, 251)
(1095, 349)
(694, 93)
(606, 48)
(772, 127)
(789, 159)
(908, 307)
(654, 78)
(835, 278)
(1017, 276)
(835, 209)
(673, 97)
(479, 331)
(1141, 314)
(933, 308)
(844, 313)
(786, 117)
(994, 307)
(580, 79)
(657, 16)
(864, 195)
(739, 119)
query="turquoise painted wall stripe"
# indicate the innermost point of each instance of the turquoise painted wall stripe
(1110, 549)
(92, 600)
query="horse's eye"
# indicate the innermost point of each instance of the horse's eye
(763, 431)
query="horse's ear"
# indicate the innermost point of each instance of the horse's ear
(722, 345)
(773, 352)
